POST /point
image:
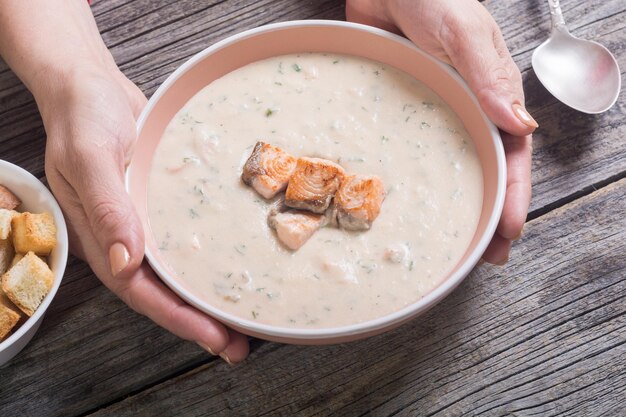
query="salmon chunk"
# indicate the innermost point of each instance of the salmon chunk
(294, 227)
(268, 169)
(313, 184)
(358, 201)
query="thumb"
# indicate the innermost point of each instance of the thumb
(484, 61)
(109, 211)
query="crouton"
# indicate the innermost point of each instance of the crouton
(8, 200)
(28, 282)
(16, 259)
(6, 255)
(34, 233)
(5, 222)
(9, 315)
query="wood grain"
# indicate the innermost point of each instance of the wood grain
(542, 336)
(545, 335)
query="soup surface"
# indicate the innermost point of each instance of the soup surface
(368, 117)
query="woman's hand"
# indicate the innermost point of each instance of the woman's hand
(463, 34)
(90, 123)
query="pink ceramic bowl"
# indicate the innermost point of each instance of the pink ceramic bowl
(332, 37)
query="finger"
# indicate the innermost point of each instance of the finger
(70, 205)
(518, 188)
(146, 294)
(477, 50)
(98, 179)
(237, 349)
(497, 252)
(76, 247)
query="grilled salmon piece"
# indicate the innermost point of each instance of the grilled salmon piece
(313, 184)
(294, 227)
(268, 169)
(358, 201)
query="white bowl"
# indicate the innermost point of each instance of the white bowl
(37, 199)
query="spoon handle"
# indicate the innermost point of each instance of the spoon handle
(557, 15)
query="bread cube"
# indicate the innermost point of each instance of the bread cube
(17, 258)
(9, 315)
(34, 233)
(6, 255)
(27, 283)
(6, 216)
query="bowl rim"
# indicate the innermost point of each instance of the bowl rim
(63, 247)
(397, 317)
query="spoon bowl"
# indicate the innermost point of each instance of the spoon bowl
(582, 74)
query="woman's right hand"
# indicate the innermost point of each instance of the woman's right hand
(89, 116)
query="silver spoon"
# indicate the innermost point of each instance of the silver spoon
(582, 74)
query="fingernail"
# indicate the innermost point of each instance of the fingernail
(207, 348)
(226, 358)
(524, 116)
(119, 258)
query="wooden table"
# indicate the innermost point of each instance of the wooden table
(544, 335)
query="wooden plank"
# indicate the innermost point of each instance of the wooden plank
(27, 150)
(127, 13)
(544, 336)
(102, 7)
(188, 36)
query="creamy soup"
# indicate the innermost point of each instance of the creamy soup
(370, 118)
